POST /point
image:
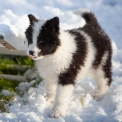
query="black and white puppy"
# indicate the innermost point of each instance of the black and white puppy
(64, 57)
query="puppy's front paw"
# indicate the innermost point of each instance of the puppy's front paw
(50, 98)
(97, 96)
(55, 113)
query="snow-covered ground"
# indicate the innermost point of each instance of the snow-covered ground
(32, 107)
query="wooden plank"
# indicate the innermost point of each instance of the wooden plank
(15, 44)
(5, 51)
(8, 49)
(14, 77)
(7, 45)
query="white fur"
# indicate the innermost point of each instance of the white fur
(86, 70)
(80, 12)
(63, 56)
(36, 29)
(51, 87)
(63, 97)
(101, 82)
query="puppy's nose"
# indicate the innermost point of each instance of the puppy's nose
(31, 52)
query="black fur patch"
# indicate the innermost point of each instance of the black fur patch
(28, 34)
(32, 18)
(69, 76)
(48, 40)
(101, 42)
(29, 30)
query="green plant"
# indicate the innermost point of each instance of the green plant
(20, 60)
(6, 62)
(8, 85)
(5, 99)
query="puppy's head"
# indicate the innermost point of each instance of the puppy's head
(42, 37)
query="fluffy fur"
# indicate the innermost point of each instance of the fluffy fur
(63, 57)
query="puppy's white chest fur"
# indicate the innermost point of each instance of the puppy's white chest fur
(45, 68)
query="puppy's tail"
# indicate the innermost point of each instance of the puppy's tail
(87, 15)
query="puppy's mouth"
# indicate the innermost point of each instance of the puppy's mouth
(32, 56)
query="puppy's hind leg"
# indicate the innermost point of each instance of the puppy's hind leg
(103, 77)
(102, 86)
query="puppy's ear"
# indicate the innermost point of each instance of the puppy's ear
(32, 18)
(55, 23)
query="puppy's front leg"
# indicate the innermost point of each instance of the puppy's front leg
(50, 91)
(62, 100)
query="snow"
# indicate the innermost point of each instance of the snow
(32, 107)
(12, 27)
(5, 92)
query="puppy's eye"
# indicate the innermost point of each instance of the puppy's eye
(41, 42)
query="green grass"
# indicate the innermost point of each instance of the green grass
(5, 61)
(20, 60)
(8, 85)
